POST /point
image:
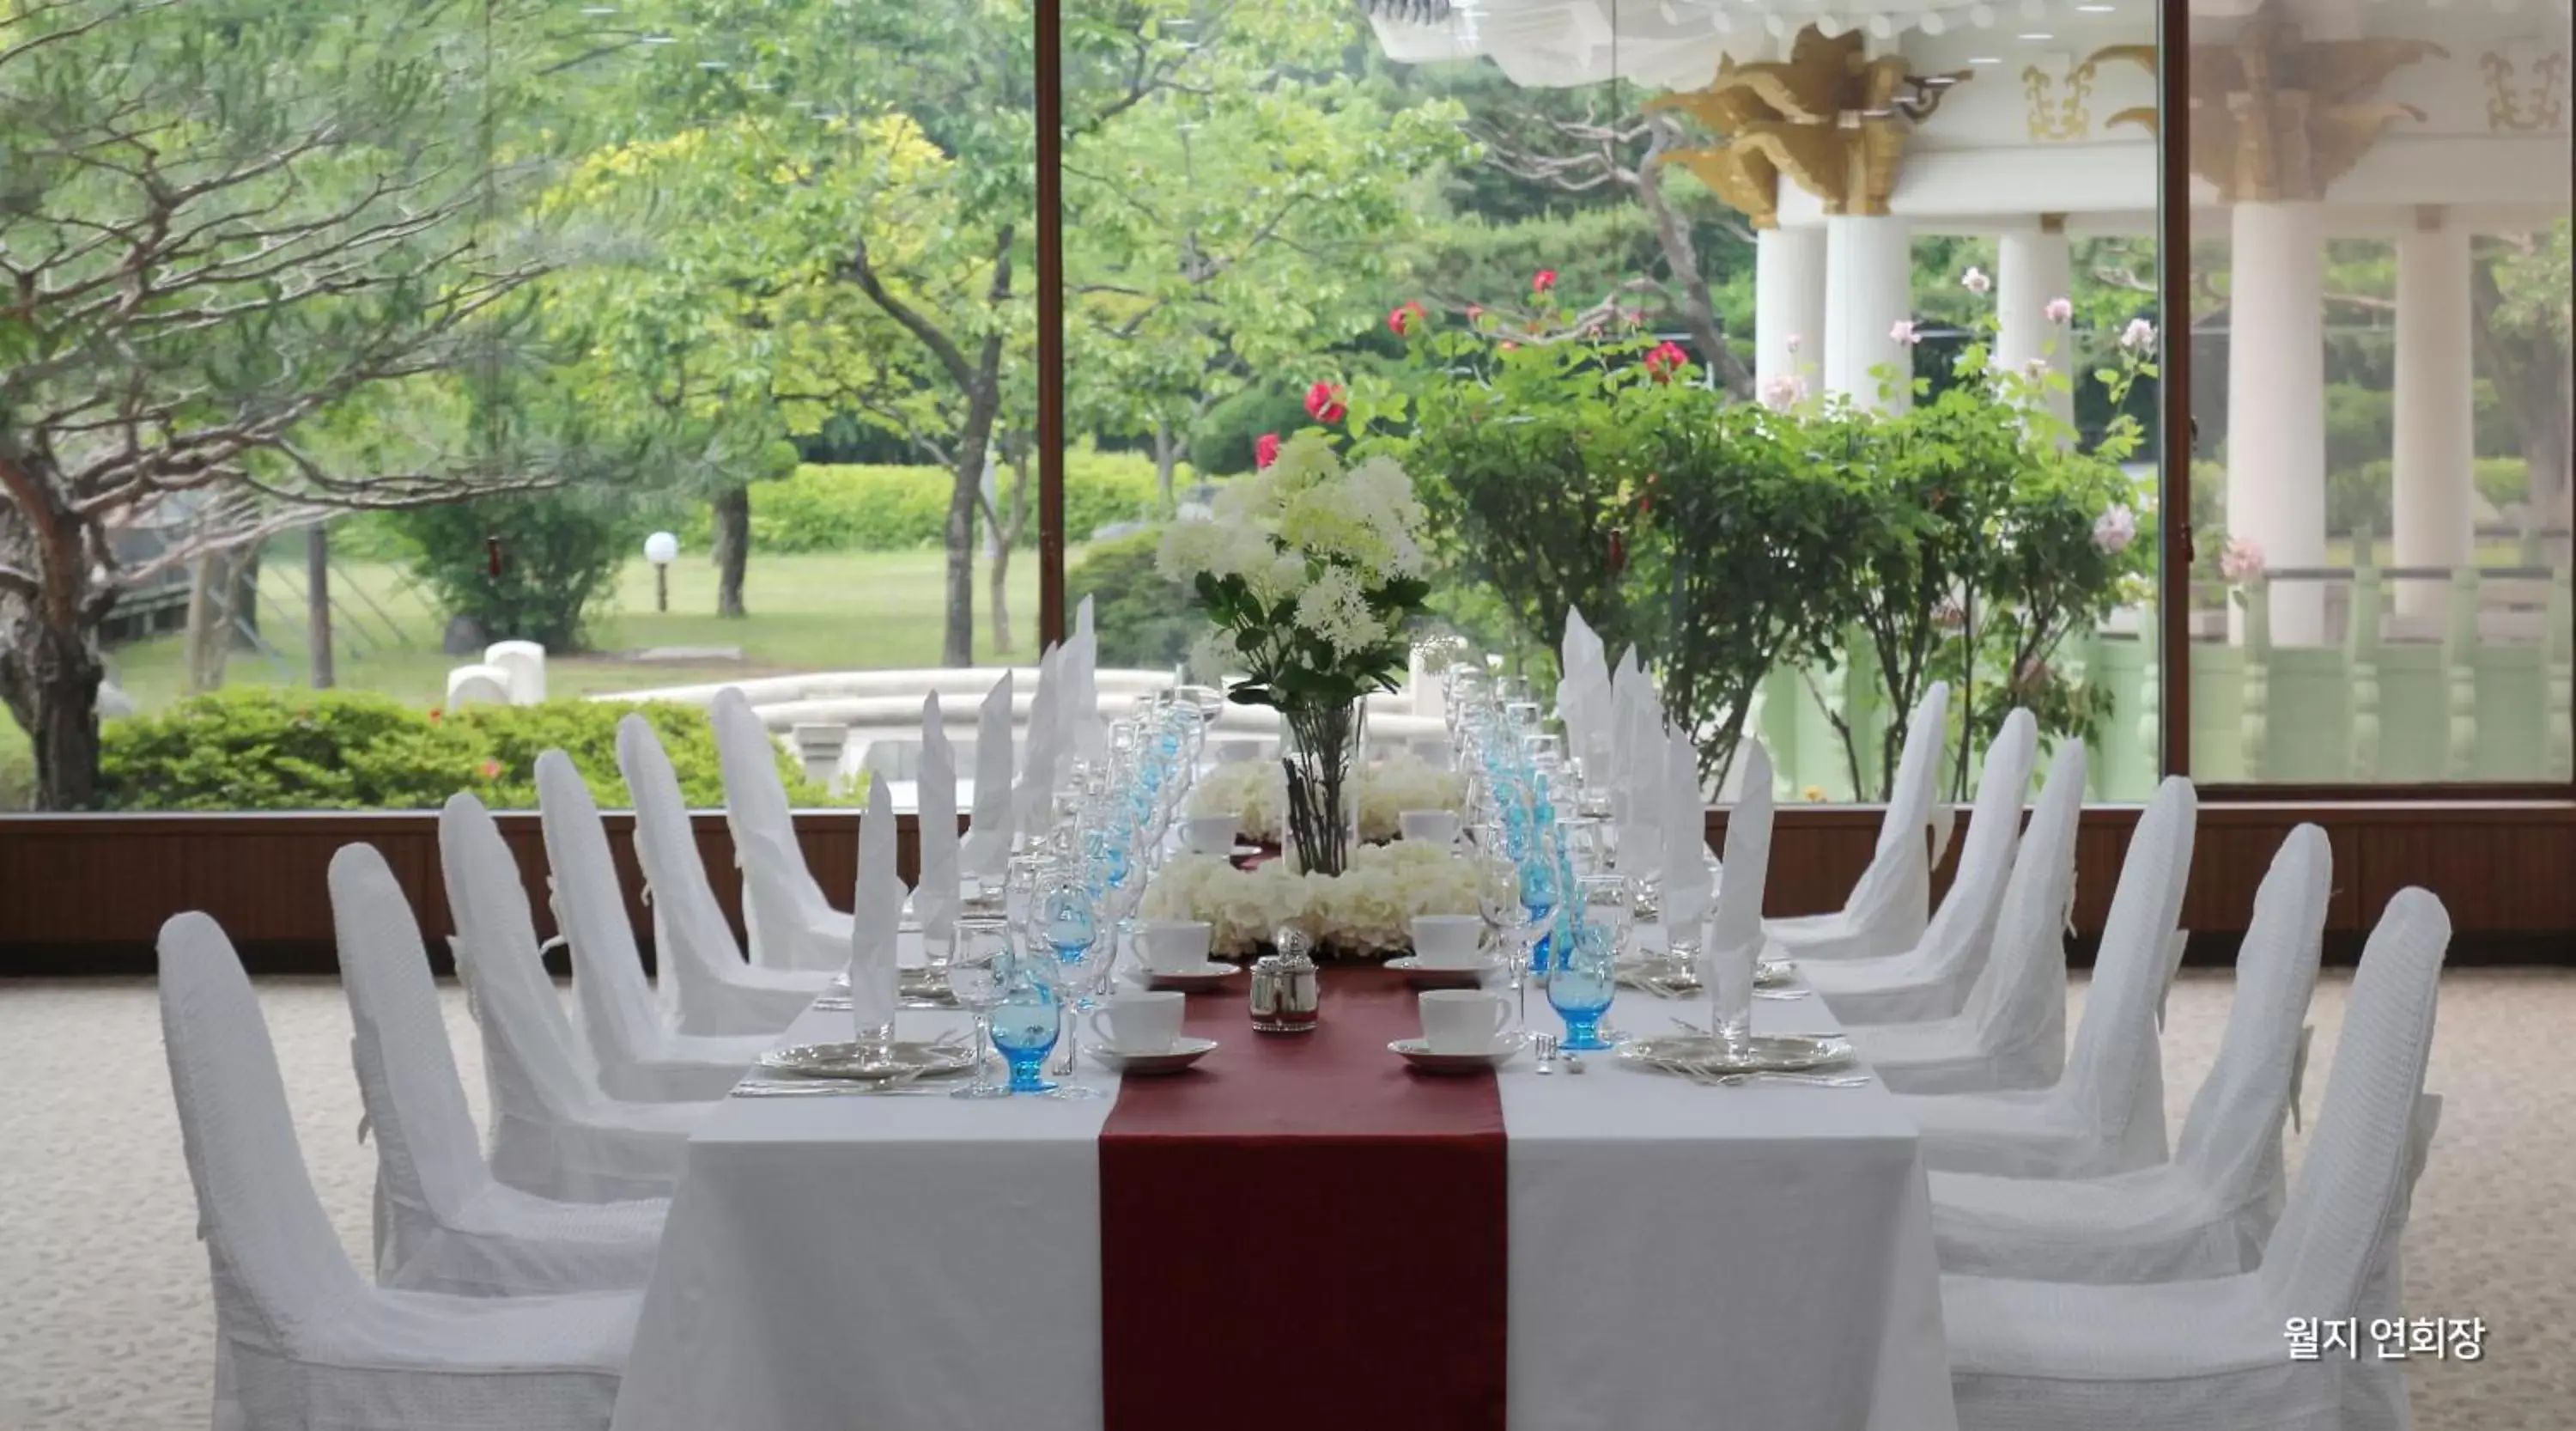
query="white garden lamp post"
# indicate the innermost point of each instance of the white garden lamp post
(661, 549)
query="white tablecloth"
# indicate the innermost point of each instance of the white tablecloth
(1681, 1257)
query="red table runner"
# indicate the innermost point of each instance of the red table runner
(1303, 1233)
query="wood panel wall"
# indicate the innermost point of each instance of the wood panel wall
(89, 892)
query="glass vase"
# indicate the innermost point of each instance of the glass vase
(1321, 749)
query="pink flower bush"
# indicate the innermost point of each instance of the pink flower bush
(1905, 332)
(2114, 530)
(2242, 561)
(2060, 310)
(1975, 281)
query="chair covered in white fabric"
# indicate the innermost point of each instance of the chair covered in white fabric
(639, 1056)
(443, 1222)
(702, 975)
(2106, 1113)
(554, 1132)
(792, 923)
(1892, 901)
(2012, 1032)
(1932, 979)
(2210, 1352)
(2207, 1212)
(302, 1339)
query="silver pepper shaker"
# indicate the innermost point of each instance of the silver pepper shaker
(1286, 990)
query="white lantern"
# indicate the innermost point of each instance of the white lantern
(661, 548)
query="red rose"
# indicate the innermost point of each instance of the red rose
(491, 770)
(1405, 318)
(1666, 359)
(1545, 280)
(1265, 451)
(1324, 402)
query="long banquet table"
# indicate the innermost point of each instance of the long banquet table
(1676, 1256)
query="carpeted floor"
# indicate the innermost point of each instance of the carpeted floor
(105, 1322)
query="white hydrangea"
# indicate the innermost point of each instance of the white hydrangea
(1255, 792)
(1335, 609)
(1367, 910)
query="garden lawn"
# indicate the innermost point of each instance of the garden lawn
(820, 612)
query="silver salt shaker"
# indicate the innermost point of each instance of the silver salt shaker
(1286, 990)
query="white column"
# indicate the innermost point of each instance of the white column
(1789, 307)
(2276, 424)
(1869, 289)
(2033, 269)
(2436, 405)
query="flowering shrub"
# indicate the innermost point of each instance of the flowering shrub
(1367, 909)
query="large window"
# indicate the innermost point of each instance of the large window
(2379, 353)
(435, 372)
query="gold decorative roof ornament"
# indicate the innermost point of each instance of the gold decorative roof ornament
(1828, 117)
(2278, 116)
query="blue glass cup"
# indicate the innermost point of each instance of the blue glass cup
(1584, 983)
(1024, 1029)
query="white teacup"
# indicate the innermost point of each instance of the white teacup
(1208, 834)
(1144, 1022)
(1446, 941)
(1175, 946)
(1463, 1020)
(1428, 827)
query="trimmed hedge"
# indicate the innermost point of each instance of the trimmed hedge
(872, 509)
(273, 748)
(1146, 620)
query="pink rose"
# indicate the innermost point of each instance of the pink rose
(1783, 392)
(1406, 317)
(1324, 402)
(1666, 360)
(2139, 336)
(1266, 450)
(2114, 530)
(1543, 280)
(2242, 561)
(2060, 309)
(1975, 281)
(1905, 332)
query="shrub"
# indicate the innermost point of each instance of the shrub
(874, 509)
(1145, 621)
(273, 748)
(559, 554)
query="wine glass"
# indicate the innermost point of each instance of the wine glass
(1026, 1020)
(1068, 983)
(1585, 980)
(975, 976)
(1499, 898)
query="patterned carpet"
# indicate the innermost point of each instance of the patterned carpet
(105, 1322)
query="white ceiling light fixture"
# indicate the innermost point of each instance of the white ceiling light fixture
(1985, 59)
(2034, 36)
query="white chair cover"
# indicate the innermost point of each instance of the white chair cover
(2106, 1115)
(554, 1133)
(443, 1224)
(638, 1057)
(1932, 979)
(2012, 1031)
(697, 960)
(302, 1341)
(2206, 1213)
(1891, 903)
(791, 923)
(2186, 1356)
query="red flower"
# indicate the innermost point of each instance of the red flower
(1266, 450)
(491, 770)
(1544, 280)
(1324, 402)
(436, 715)
(1666, 359)
(1406, 316)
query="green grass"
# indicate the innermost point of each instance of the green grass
(825, 612)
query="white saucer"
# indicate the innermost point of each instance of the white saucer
(1443, 976)
(1205, 976)
(1418, 1053)
(1183, 1052)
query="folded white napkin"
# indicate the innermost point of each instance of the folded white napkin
(1686, 883)
(876, 918)
(1085, 736)
(1642, 737)
(1583, 696)
(1738, 919)
(936, 899)
(1032, 797)
(988, 838)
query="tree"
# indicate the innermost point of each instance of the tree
(223, 224)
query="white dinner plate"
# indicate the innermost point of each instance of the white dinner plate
(1763, 1053)
(1443, 976)
(907, 1059)
(1205, 976)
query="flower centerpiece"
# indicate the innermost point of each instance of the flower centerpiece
(1368, 909)
(1251, 791)
(1309, 571)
